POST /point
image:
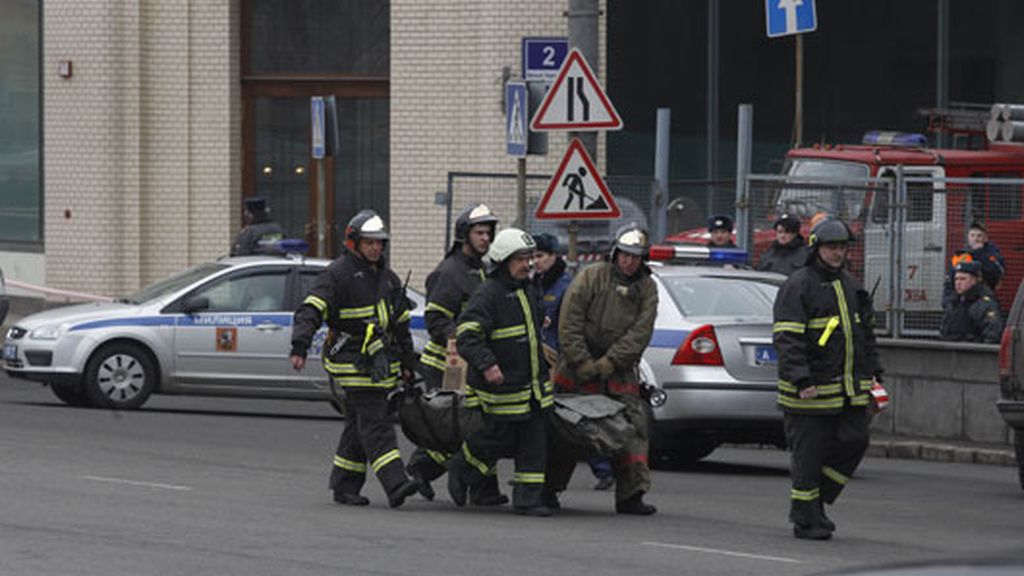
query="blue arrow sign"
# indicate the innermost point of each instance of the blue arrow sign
(516, 116)
(316, 110)
(785, 17)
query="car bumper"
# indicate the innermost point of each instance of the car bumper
(704, 404)
(1013, 412)
(45, 360)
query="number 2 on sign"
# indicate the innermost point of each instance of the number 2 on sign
(549, 56)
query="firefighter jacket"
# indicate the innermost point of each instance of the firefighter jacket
(367, 315)
(973, 316)
(606, 315)
(552, 285)
(449, 287)
(501, 325)
(260, 237)
(824, 336)
(785, 258)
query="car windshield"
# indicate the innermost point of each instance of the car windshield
(174, 283)
(698, 296)
(843, 199)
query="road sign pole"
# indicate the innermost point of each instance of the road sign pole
(582, 25)
(798, 117)
(521, 193)
(321, 210)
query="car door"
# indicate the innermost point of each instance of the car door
(312, 375)
(241, 337)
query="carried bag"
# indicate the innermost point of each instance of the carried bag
(590, 425)
(438, 419)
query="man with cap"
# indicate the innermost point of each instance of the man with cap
(499, 335)
(720, 229)
(973, 315)
(368, 348)
(789, 250)
(260, 234)
(606, 323)
(984, 253)
(828, 362)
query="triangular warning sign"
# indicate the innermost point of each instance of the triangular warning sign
(577, 191)
(576, 101)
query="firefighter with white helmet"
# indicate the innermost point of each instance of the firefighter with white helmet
(368, 348)
(499, 335)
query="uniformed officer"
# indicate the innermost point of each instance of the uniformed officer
(606, 323)
(824, 336)
(368, 348)
(720, 228)
(499, 335)
(973, 315)
(449, 287)
(789, 250)
(260, 234)
(979, 250)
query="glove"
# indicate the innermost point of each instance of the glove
(605, 368)
(587, 372)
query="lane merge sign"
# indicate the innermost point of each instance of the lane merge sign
(577, 192)
(576, 101)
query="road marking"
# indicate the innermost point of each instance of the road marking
(723, 552)
(137, 483)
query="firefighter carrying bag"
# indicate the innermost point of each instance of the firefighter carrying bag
(590, 425)
(437, 419)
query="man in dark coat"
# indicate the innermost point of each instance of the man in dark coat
(261, 234)
(973, 315)
(789, 250)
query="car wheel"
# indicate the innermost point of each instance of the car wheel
(120, 376)
(682, 453)
(70, 393)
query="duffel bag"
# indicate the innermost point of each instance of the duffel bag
(438, 419)
(590, 425)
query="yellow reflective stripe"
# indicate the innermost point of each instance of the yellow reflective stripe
(364, 382)
(859, 400)
(439, 457)
(528, 477)
(503, 397)
(830, 327)
(435, 307)
(348, 313)
(856, 317)
(819, 323)
(823, 389)
(373, 348)
(810, 403)
(805, 495)
(405, 317)
(844, 313)
(340, 368)
(432, 361)
(471, 402)
(787, 386)
(866, 384)
(509, 332)
(431, 346)
(547, 401)
(795, 327)
(834, 475)
(385, 459)
(317, 303)
(475, 326)
(473, 461)
(383, 316)
(506, 409)
(534, 343)
(351, 466)
(367, 336)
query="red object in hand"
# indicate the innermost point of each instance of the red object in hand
(880, 397)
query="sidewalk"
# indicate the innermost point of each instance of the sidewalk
(939, 450)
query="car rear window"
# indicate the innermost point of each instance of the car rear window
(697, 296)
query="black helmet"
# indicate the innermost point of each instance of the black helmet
(366, 224)
(471, 216)
(633, 239)
(830, 231)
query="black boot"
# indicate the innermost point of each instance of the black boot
(487, 493)
(422, 485)
(457, 486)
(350, 499)
(397, 496)
(539, 511)
(826, 523)
(550, 500)
(811, 532)
(635, 505)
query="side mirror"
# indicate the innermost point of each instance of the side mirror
(195, 304)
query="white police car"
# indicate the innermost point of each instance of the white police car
(220, 328)
(711, 361)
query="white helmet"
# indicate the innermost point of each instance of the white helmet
(507, 243)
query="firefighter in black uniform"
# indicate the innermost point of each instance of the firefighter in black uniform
(973, 314)
(368, 348)
(261, 234)
(449, 287)
(824, 336)
(499, 335)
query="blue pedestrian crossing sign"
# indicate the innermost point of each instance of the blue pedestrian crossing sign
(516, 117)
(785, 17)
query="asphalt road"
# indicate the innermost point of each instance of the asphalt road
(226, 486)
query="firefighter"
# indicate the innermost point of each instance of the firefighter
(449, 287)
(499, 335)
(824, 335)
(789, 250)
(367, 350)
(973, 315)
(260, 234)
(606, 323)
(720, 229)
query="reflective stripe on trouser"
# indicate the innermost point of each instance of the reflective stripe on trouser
(523, 440)
(632, 473)
(825, 451)
(428, 464)
(368, 440)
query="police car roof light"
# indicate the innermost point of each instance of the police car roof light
(697, 254)
(889, 138)
(292, 246)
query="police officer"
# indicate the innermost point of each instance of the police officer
(824, 336)
(789, 250)
(368, 348)
(499, 335)
(720, 228)
(449, 287)
(973, 315)
(979, 250)
(260, 234)
(607, 321)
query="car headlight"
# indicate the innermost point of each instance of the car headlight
(51, 332)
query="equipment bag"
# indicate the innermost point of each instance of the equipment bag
(590, 425)
(437, 420)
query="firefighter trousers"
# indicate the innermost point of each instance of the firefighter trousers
(631, 469)
(368, 442)
(523, 440)
(825, 451)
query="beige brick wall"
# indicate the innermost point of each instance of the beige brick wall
(143, 143)
(446, 114)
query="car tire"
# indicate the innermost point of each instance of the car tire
(121, 376)
(70, 393)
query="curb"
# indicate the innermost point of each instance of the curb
(941, 452)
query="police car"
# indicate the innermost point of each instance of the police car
(220, 328)
(711, 369)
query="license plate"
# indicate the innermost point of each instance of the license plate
(765, 356)
(10, 352)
